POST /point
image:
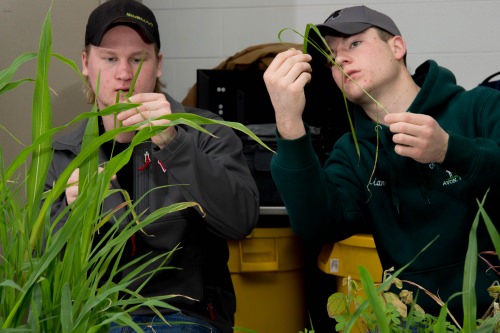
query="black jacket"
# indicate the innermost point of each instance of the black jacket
(217, 178)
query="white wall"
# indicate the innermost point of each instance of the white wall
(460, 34)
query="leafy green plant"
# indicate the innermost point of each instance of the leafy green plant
(380, 310)
(57, 273)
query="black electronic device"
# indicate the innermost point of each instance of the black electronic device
(241, 96)
(235, 95)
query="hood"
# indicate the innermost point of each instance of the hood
(438, 85)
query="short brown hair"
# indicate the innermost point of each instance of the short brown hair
(385, 36)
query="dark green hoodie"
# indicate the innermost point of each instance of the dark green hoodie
(403, 203)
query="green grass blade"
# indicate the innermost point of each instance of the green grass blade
(14, 85)
(440, 326)
(70, 64)
(7, 74)
(88, 180)
(374, 300)
(41, 117)
(492, 230)
(469, 281)
(66, 309)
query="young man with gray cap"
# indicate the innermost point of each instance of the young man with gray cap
(121, 35)
(428, 151)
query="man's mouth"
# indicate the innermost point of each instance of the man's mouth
(349, 76)
(122, 92)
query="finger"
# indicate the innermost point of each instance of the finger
(406, 140)
(403, 127)
(148, 110)
(75, 175)
(295, 66)
(280, 59)
(285, 62)
(147, 97)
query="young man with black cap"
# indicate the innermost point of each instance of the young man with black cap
(428, 151)
(121, 35)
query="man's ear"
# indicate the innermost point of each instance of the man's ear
(85, 71)
(398, 47)
(160, 65)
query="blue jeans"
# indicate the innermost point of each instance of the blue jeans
(179, 323)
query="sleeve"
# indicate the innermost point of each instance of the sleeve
(474, 153)
(219, 177)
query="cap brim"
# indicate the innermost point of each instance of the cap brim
(344, 28)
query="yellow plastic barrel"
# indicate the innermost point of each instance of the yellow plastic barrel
(267, 273)
(343, 259)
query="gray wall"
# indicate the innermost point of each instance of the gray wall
(459, 34)
(21, 22)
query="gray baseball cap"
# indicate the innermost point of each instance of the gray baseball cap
(353, 20)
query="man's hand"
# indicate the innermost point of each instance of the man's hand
(154, 105)
(72, 188)
(285, 79)
(418, 136)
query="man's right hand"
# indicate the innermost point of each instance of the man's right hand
(285, 79)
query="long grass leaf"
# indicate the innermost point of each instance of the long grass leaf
(469, 281)
(440, 326)
(41, 117)
(70, 64)
(13, 85)
(66, 309)
(7, 74)
(374, 300)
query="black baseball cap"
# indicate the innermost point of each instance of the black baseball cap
(122, 12)
(353, 20)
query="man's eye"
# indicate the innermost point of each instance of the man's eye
(110, 59)
(355, 43)
(136, 60)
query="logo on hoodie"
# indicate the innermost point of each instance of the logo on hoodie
(452, 179)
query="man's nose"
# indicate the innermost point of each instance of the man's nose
(125, 71)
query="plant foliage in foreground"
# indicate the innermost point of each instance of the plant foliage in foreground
(55, 274)
(373, 308)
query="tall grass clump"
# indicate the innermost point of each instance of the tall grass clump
(60, 273)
